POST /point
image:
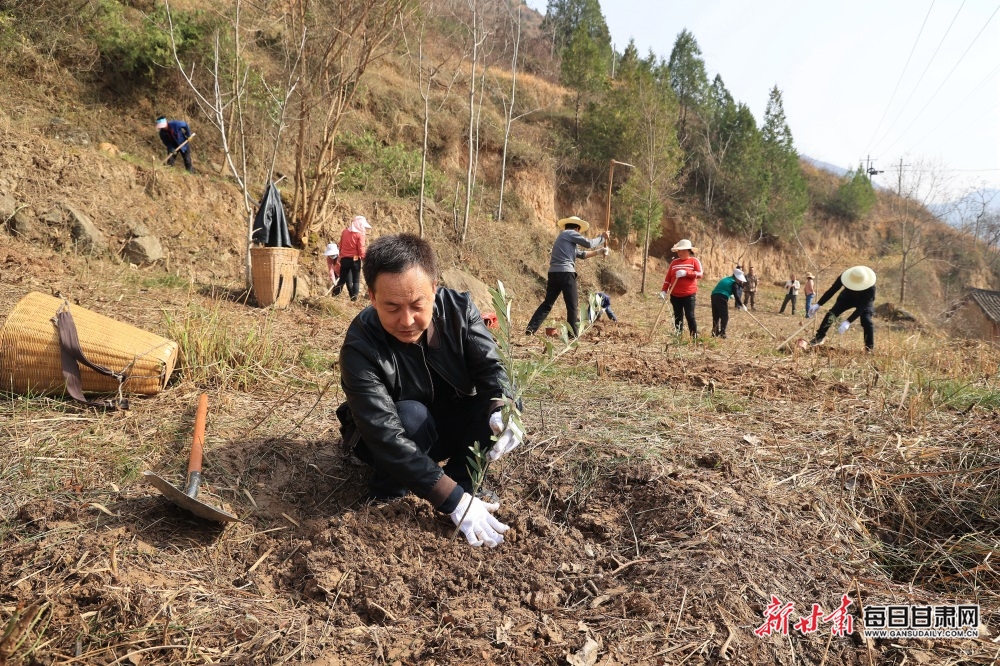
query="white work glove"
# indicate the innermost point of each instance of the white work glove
(681, 272)
(606, 251)
(812, 309)
(743, 307)
(510, 439)
(844, 325)
(475, 518)
(663, 295)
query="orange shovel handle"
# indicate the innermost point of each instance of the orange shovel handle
(198, 441)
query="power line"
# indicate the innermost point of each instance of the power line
(931, 99)
(900, 80)
(917, 85)
(958, 106)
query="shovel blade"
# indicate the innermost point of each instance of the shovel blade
(195, 506)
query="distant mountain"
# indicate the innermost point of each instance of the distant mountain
(825, 166)
(966, 208)
(838, 171)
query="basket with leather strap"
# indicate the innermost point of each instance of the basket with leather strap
(47, 345)
(274, 271)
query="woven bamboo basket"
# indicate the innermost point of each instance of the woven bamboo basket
(274, 271)
(30, 360)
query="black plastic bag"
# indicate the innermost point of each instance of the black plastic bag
(270, 227)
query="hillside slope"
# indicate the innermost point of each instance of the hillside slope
(667, 488)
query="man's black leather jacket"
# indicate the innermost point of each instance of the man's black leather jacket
(377, 371)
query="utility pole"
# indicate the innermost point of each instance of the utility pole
(908, 236)
(871, 170)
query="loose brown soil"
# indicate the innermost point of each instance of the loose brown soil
(666, 491)
(667, 488)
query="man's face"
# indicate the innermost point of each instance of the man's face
(404, 302)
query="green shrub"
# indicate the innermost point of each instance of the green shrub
(370, 165)
(134, 45)
(854, 198)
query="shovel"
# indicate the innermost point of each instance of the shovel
(178, 148)
(761, 325)
(659, 315)
(809, 322)
(188, 498)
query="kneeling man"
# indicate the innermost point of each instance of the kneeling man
(423, 381)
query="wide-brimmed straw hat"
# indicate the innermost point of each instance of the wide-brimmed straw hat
(331, 250)
(738, 274)
(684, 244)
(810, 276)
(573, 219)
(858, 278)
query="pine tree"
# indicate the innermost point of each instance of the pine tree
(788, 198)
(581, 37)
(564, 17)
(687, 78)
(744, 181)
(855, 197)
(584, 69)
(643, 104)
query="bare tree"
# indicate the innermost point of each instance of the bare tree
(428, 75)
(224, 96)
(715, 156)
(919, 185)
(479, 30)
(974, 210)
(342, 39)
(508, 102)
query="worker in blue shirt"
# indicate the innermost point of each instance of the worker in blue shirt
(604, 304)
(173, 134)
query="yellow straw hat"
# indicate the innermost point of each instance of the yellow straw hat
(858, 278)
(583, 224)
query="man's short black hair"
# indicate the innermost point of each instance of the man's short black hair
(396, 253)
(570, 225)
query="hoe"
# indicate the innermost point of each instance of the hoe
(188, 498)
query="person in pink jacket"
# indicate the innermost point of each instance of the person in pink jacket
(353, 241)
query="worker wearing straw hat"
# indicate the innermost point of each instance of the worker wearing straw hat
(859, 293)
(562, 270)
(809, 289)
(681, 284)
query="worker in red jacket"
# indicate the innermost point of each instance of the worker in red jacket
(681, 284)
(353, 241)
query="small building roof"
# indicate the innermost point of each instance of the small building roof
(989, 301)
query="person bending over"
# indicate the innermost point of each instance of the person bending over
(858, 293)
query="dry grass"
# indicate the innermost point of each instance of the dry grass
(702, 476)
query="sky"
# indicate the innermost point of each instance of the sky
(910, 80)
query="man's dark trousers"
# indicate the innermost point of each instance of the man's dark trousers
(866, 314)
(558, 283)
(445, 431)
